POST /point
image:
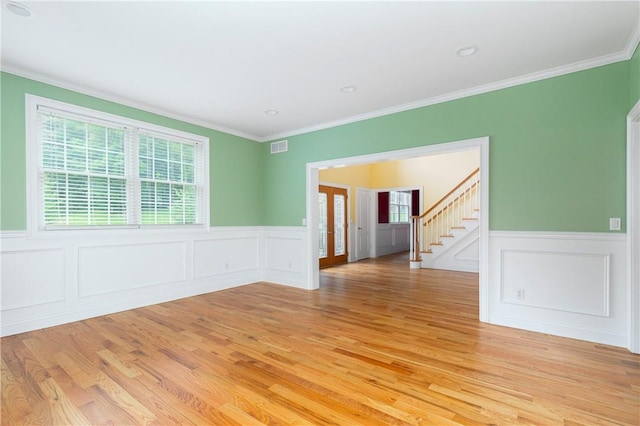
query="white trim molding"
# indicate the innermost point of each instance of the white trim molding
(633, 226)
(110, 97)
(574, 284)
(472, 91)
(562, 283)
(481, 144)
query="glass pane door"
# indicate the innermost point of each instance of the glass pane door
(339, 225)
(332, 226)
(322, 221)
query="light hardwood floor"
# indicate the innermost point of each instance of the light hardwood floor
(376, 344)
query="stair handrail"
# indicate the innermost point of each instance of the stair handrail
(445, 224)
(443, 199)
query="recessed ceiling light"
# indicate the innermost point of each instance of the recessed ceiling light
(18, 9)
(348, 89)
(465, 51)
(271, 112)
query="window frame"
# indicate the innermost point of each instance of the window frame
(398, 222)
(34, 207)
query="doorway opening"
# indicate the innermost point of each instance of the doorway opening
(312, 191)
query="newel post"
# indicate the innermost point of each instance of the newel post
(416, 261)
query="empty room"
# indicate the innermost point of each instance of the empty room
(310, 212)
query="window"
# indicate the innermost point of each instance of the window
(399, 206)
(91, 169)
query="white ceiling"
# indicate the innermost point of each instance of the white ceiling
(222, 64)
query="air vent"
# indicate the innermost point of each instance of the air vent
(278, 147)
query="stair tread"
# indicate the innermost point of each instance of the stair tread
(469, 218)
(458, 227)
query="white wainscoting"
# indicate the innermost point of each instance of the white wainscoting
(51, 281)
(39, 273)
(574, 283)
(121, 267)
(566, 284)
(392, 238)
(285, 256)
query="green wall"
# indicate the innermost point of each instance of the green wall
(635, 77)
(236, 164)
(557, 150)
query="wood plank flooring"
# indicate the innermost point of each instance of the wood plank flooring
(376, 344)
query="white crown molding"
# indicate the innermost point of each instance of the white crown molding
(64, 84)
(633, 42)
(624, 55)
(516, 81)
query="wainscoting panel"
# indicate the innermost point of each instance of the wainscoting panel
(110, 269)
(59, 279)
(38, 274)
(285, 252)
(391, 238)
(567, 284)
(574, 283)
(225, 255)
(533, 279)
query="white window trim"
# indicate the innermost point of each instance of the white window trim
(408, 205)
(400, 189)
(33, 157)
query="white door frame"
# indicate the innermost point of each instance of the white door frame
(633, 228)
(482, 144)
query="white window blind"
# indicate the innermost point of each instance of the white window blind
(82, 179)
(169, 171)
(96, 172)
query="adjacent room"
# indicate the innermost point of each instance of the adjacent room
(421, 213)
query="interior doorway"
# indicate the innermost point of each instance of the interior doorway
(312, 219)
(332, 226)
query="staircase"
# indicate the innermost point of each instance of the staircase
(446, 235)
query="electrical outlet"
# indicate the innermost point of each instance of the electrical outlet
(520, 294)
(614, 223)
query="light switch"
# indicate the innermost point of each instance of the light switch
(614, 223)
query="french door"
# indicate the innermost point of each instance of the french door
(332, 203)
